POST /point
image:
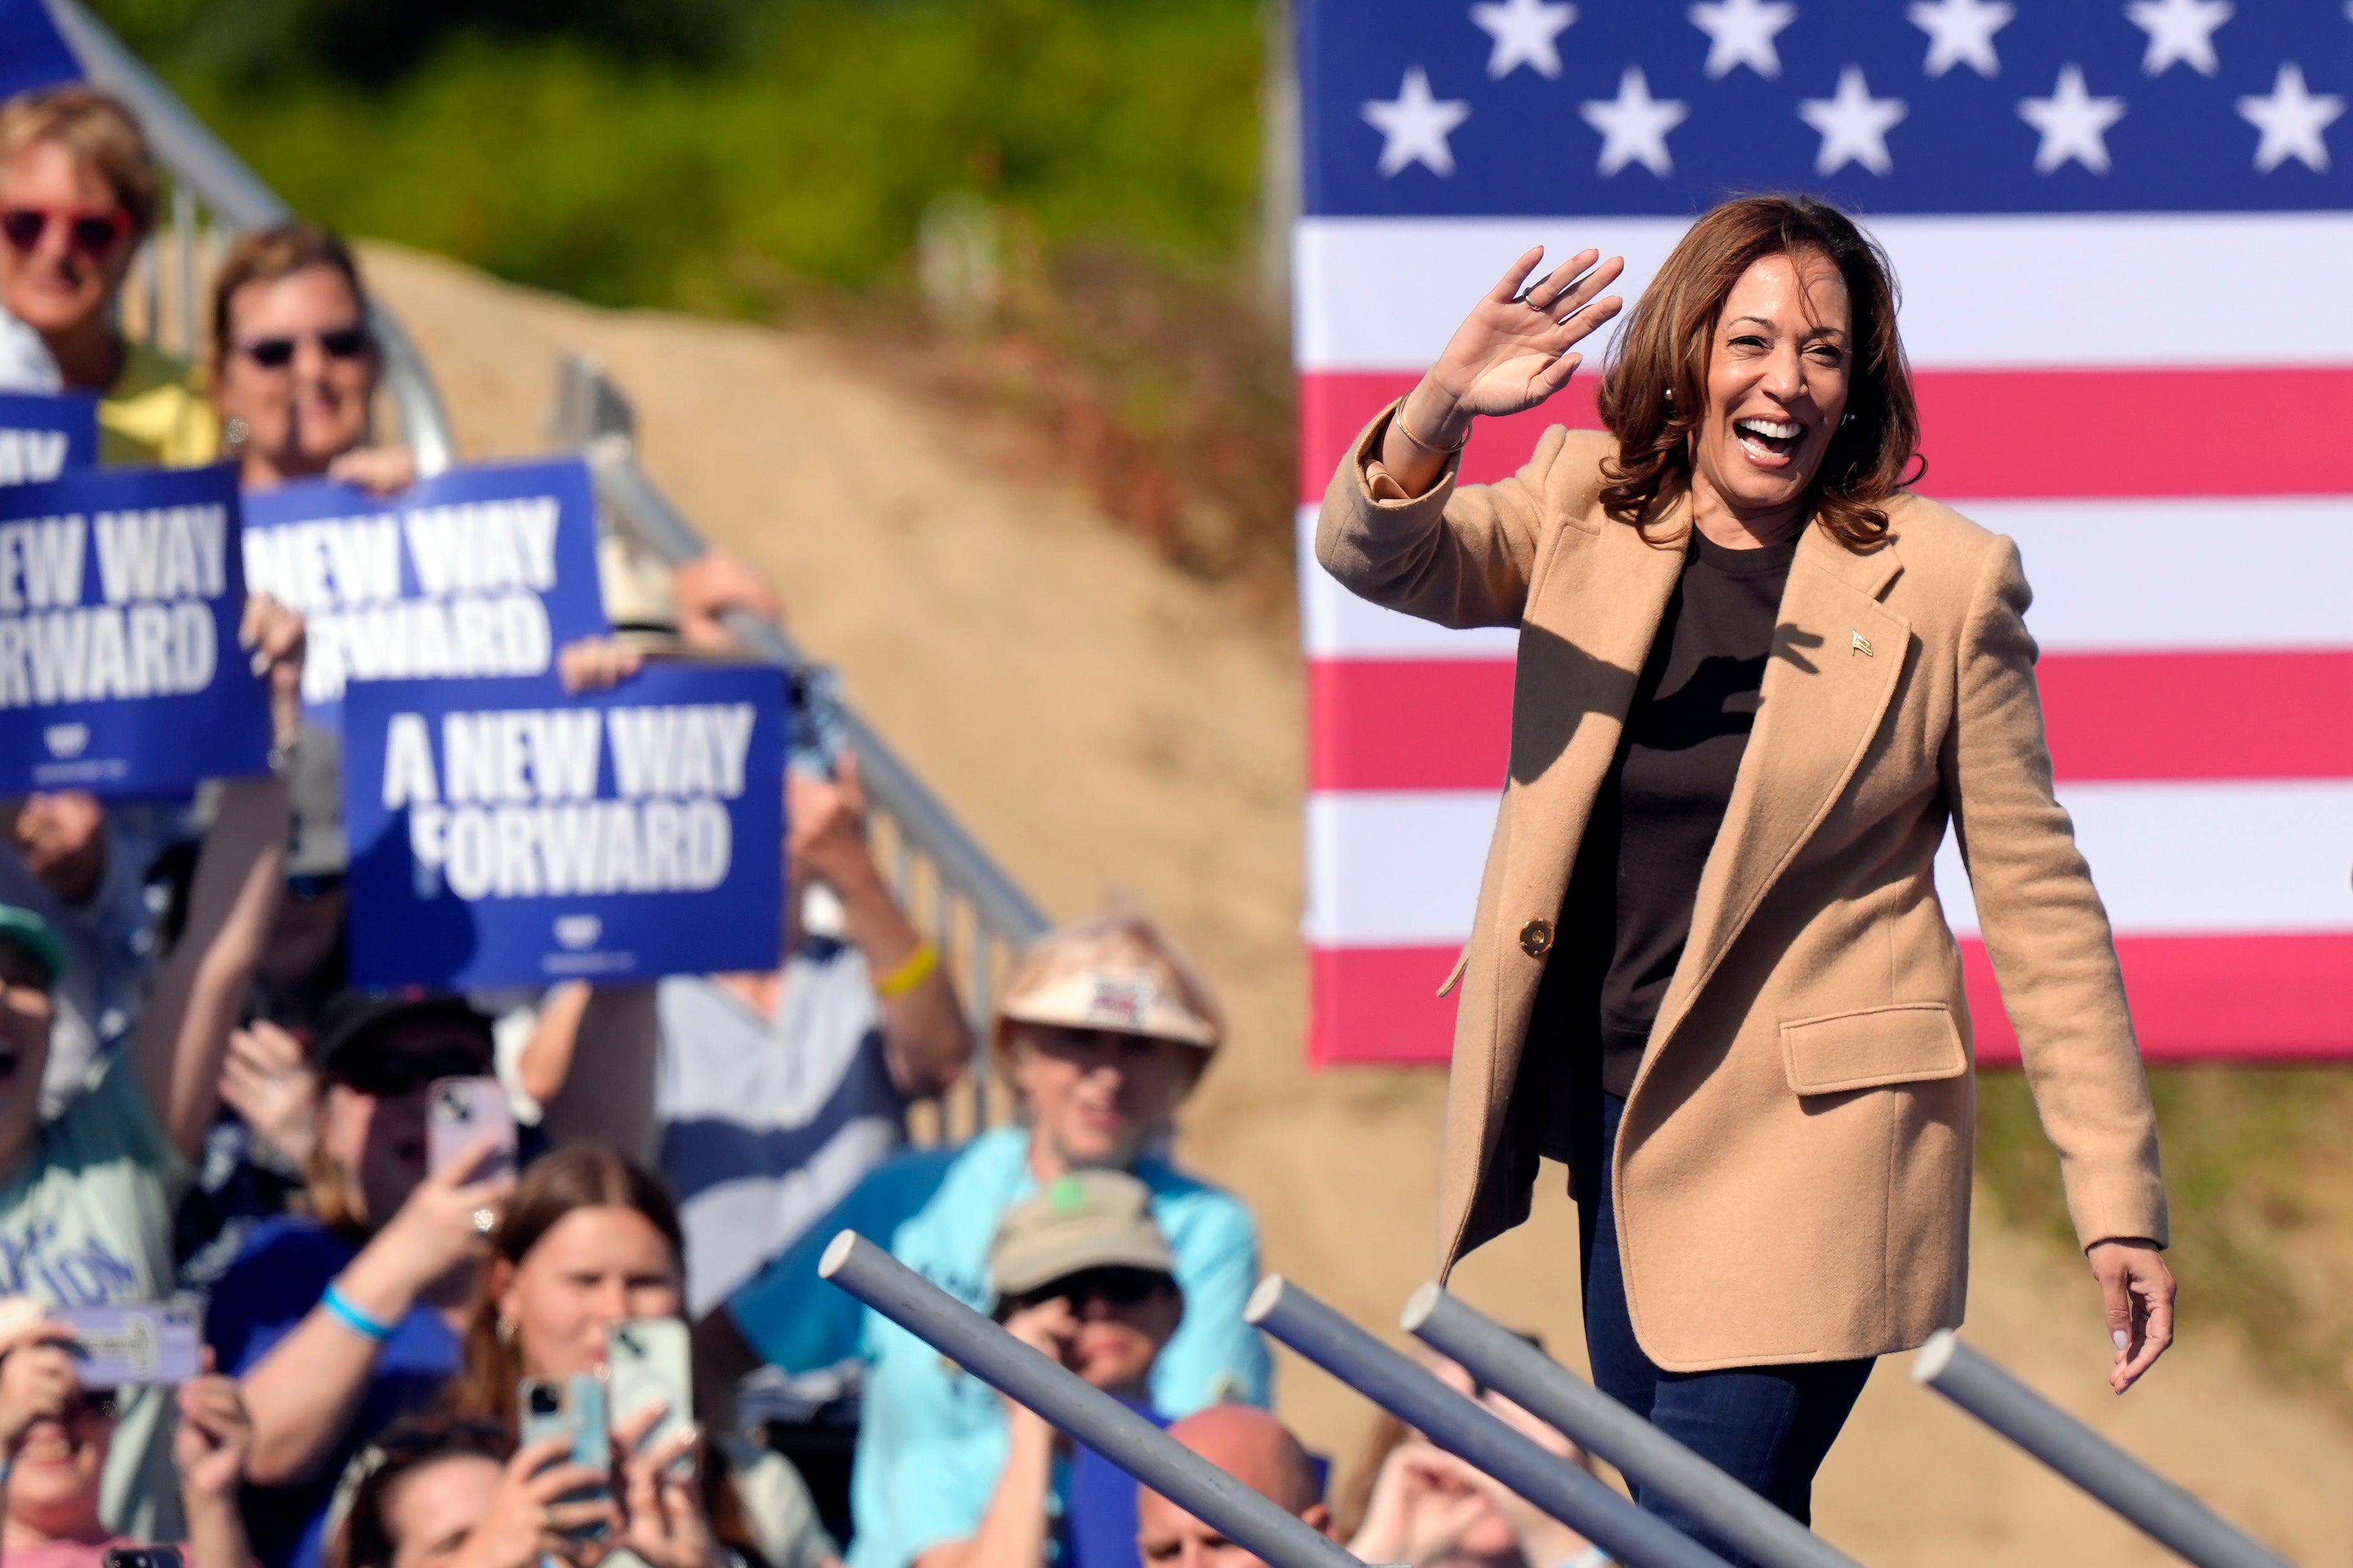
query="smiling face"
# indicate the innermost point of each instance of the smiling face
(593, 1269)
(1778, 376)
(1096, 1096)
(53, 1484)
(313, 406)
(60, 283)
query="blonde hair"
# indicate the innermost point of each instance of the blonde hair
(98, 129)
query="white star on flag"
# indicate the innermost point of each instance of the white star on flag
(1960, 32)
(1634, 125)
(1740, 33)
(1855, 125)
(1525, 33)
(2292, 120)
(1416, 125)
(2180, 32)
(2073, 123)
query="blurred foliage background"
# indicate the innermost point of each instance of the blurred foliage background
(778, 160)
(1088, 172)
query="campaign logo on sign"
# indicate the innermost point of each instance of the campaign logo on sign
(119, 671)
(477, 571)
(42, 437)
(506, 833)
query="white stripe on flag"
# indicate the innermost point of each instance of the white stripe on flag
(1401, 869)
(2075, 290)
(2139, 575)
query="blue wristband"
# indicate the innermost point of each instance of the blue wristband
(340, 1306)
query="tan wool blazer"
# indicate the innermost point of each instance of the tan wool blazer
(1792, 1173)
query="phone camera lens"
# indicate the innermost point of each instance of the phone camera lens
(546, 1402)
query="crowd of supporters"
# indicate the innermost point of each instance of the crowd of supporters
(194, 1102)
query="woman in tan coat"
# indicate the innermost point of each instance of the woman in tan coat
(1709, 970)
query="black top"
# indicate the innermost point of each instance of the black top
(1628, 909)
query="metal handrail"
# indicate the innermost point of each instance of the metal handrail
(211, 182)
(969, 891)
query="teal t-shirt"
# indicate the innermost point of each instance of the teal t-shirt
(88, 1223)
(931, 1437)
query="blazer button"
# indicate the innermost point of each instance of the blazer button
(1535, 938)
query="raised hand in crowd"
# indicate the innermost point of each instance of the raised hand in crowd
(379, 470)
(597, 664)
(305, 1392)
(927, 1040)
(528, 1523)
(1509, 355)
(1423, 1504)
(663, 1519)
(210, 1447)
(272, 634)
(713, 583)
(36, 1382)
(268, 1082)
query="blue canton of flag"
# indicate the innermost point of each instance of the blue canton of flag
(1937, 106)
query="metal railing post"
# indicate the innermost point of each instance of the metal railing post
(1075, 1406)
(1644, 1454)
(1479, 1437)
(2167, 1512)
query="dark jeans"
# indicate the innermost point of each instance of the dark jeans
(1768, 1427)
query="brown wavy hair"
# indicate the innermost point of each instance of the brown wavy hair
(1655, 391)
(585, 1175)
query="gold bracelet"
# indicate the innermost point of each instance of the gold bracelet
(917, 969)
(1398, 420)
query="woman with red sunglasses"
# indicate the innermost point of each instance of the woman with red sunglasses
(78, 194)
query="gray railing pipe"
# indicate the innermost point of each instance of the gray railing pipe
(1644, 1454)
(2170, 1514)
(1478, 1436)
(1076, 1406)
(889, 781)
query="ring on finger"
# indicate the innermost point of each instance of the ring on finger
(486, 1219)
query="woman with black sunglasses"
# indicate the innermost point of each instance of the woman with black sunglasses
(78, 194)
(295, 365)
(337, 1321)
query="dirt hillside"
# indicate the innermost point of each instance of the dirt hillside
(1099, 720)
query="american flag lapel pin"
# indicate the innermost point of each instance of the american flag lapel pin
(1860, 644)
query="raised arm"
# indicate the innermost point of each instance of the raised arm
(2048, 935)
(926, 1041)
(1395, 529)
(183, 1036)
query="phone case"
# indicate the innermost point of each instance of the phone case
(147, 1341)
(574, 1409)
(457, 1111)
(649, 1361)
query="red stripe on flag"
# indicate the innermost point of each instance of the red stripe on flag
(1409, 723)
(2194, 998)
(1987, 433)
(1435, 724)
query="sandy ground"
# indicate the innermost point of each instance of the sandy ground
(1099, 720)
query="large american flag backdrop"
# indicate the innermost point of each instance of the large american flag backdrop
(2124, 237)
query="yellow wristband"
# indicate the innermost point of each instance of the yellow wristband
(913, 973)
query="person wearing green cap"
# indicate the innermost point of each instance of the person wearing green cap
(87, 1198)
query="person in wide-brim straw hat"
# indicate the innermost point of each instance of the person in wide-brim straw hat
(1102, 1028)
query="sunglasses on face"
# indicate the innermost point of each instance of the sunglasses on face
(89, 230)
(310, 889)
(387, 1075)
(1119, 1287)
(277, 353)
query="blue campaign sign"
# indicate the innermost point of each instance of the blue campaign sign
(482, 571)
(43, 436)
(32, 53)
(505, 833)
(119, 671)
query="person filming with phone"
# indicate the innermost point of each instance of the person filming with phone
(338, 1320)
(55, 1436)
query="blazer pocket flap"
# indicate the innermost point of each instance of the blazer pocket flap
(1909, 1042)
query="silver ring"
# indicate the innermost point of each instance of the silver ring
(485, 1221)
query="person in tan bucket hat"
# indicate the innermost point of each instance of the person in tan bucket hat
(1103, 1028)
